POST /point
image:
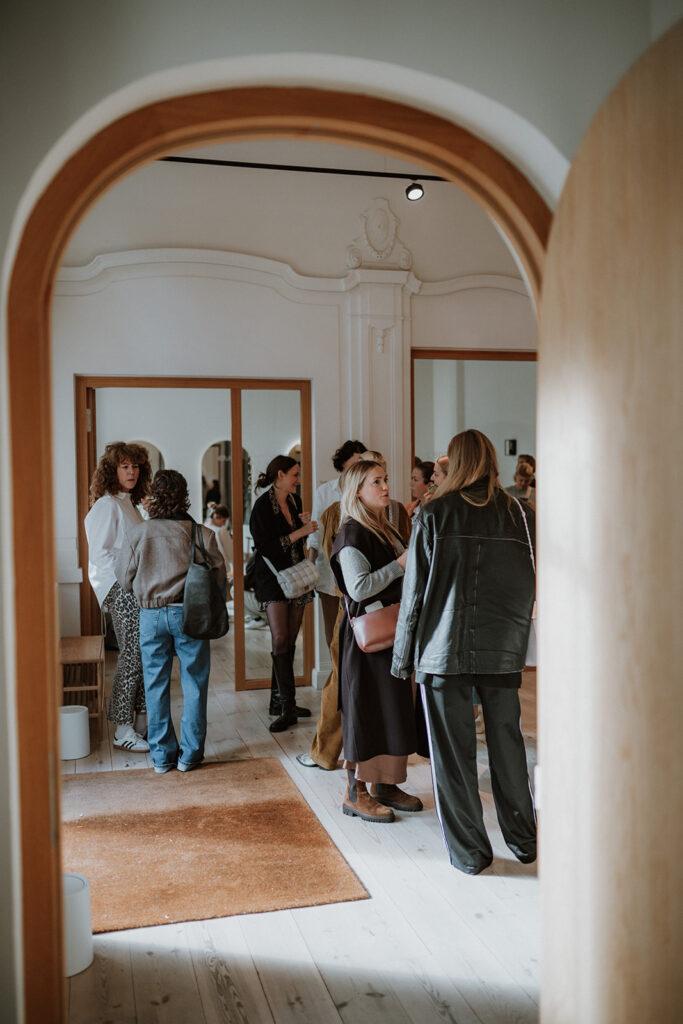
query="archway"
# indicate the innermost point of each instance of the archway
(457, 154)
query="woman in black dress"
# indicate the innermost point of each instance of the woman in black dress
(279, 529)
(378, 721)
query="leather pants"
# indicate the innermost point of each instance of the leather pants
(453, 744)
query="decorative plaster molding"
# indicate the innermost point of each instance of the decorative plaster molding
(379, 244)
(471, 282)
(381, 336)
(218, 264)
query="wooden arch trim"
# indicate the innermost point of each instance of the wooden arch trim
(242, 113)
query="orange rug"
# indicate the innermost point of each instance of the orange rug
(228, 838)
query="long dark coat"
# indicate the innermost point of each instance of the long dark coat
(377, 708)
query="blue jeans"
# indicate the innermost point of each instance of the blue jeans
(161, 635)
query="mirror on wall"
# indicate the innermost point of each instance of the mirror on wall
(192, 428)
(271, 425)
(494, 395)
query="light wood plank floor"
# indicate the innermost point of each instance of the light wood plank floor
(431, 946)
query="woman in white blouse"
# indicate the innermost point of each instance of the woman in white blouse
(120, 482)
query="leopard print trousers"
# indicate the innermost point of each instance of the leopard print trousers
(127, 689)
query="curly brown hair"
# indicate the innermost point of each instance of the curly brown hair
(105, 480)
(168, 497)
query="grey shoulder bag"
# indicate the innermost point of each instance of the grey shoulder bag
(205, 616)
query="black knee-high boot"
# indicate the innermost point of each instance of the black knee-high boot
(282, 665)
(300, 712)
(275, 706)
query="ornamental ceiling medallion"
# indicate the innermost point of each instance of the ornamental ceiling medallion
(379, 244)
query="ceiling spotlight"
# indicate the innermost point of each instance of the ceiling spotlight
(414, 191)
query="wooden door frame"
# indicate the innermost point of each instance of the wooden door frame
(493, 354)
(85, 387)
(123, 145)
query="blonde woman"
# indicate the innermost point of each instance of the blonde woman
(368, 559)
(327, 742)
(465, 618)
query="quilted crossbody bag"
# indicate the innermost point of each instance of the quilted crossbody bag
(295, 580)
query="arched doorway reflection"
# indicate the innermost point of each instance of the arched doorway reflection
(217, 478)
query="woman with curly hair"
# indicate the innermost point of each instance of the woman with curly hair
(119, 483)
(151, 569)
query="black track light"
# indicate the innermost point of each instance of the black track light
(414, 191)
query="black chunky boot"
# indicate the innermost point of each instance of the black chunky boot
(282, 666)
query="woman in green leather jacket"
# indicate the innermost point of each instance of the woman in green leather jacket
(465, 617)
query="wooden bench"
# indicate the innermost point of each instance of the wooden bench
(82, 661)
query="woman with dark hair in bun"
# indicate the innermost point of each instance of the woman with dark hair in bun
(279, 529)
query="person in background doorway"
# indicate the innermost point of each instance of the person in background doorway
(220, 524)
(420, 479)
(213, 494)
(464, 621)
(119, 484)
(378, 722)
(523, 486)
(279, 529)
(151, 568)
(438, 477)
(327, 494)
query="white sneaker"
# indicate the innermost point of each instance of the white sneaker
(128, 739)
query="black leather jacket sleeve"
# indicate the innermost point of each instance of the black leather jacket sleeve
(414, 585)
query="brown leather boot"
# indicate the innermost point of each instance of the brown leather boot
(359, 804)
(392, 796)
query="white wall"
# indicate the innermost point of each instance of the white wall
(496, 397)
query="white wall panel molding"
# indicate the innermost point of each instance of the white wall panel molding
(108, 268)
(472, 282)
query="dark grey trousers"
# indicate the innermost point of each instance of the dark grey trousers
(453, 747)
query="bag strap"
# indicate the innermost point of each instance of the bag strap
(528, 535)
(270, 566)
(198, 541)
